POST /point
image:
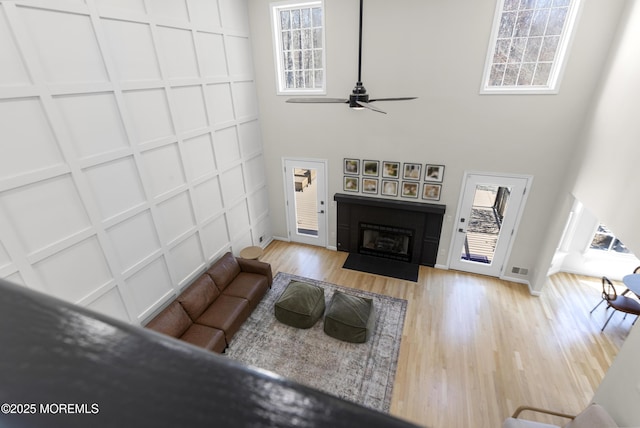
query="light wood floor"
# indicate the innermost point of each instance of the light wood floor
(474, 348)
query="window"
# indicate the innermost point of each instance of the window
(298, 30)
(605, 240)
(528, 45)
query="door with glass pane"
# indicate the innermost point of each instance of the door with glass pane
(488, 213)
(306, 201)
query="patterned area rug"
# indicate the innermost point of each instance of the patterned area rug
(361, 373)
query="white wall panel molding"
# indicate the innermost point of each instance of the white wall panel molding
(70, 6)
(124, 10)
(187, 260)
(131, 130)
(106, 157)
(140, 265)
(8, 270)
(30, 177)
(205, 14)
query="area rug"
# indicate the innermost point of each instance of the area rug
(381, 266)
(363, 373)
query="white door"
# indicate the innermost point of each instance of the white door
(305, 193)
(489, 210)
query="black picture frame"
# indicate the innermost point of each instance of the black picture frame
(431, 191)
(434, 173)
(351, 183)
(412, 171)
(370, 168)
(351, 166)
(410, 189)
(370, 185)
(389, 187)
(390, 169)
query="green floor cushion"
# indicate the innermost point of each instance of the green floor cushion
(300, 305)
(349, 318)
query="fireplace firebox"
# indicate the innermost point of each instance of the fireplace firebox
(386, 241)
(404, 230)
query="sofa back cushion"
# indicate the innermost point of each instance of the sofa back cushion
(198, 296)
(224, 270)
(594, 416)
(173, 321)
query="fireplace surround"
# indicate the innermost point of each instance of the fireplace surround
(389, 228)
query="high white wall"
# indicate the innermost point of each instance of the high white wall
(606, 183)
(436, 51)
(130, 148)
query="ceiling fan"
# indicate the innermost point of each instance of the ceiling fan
(359, 98)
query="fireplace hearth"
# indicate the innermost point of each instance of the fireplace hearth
(389, 228)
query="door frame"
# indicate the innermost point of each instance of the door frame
(453, 251)
(325, 219)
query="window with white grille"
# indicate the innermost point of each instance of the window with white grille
(528, 45)
(298, 30)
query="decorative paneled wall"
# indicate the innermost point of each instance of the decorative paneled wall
(130, 148)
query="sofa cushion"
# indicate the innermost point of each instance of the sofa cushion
(198, 296)
(250, 286)
(172, 321)
(594, 416)
(224, 270)
(226, 313)
(523, 423)
(256, 266)
(205, 337)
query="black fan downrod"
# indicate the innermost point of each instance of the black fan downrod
(359, 99)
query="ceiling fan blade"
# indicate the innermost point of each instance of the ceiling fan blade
(370, 107)
(317, 100)
(394, 99)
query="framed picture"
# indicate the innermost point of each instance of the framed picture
(431, 191)
(410, 189)
(370, 185)
(351, 166)
(370, 168)
(390, 169)
(434, 173)
(389, 188)
(412, 171)
(351, 184)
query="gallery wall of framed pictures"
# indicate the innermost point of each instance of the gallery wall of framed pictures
(393, 179)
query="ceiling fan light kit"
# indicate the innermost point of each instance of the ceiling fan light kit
(359, 99)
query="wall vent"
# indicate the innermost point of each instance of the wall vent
(519, 270)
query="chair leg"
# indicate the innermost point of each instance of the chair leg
(608, 319)
(596, 306)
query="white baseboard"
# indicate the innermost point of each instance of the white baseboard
(443, 267)
(280, 238)
(521, 281)
(266, 243)
(332, 248)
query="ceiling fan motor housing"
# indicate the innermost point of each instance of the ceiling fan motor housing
(359, 94)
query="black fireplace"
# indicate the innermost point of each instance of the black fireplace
(386, 241)
(390, 228)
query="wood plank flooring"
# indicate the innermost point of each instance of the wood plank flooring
(474, 348)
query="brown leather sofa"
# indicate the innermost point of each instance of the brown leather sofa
(211, 310)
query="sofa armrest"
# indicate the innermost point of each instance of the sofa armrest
(540, 410)
(256, 266)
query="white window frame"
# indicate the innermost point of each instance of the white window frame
(559, 61)
(281, 88)
(609, 252)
